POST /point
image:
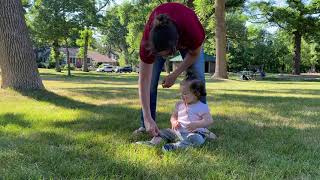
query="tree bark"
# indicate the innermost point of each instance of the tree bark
(190, 4)
(221, 65)
(68, 57)
(85, 52)
(56, 55)
(17, 60)
(297, 52)
(167, 66)
(126, 53)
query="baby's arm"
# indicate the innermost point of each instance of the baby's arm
(206, 120)
(174, 118)
(204, 123)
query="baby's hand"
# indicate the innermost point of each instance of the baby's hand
(192, 126)
(175, 124)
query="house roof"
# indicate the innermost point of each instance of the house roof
(95, 56)
(176, 59)
(72, 51)
(207, 58)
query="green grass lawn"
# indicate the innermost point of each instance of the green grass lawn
(81, 128)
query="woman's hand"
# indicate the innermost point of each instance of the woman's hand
(169, 80)
(151, 127)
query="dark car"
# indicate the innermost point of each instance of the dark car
(124, 69)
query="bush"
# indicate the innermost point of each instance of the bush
(72, 67)
(52, 64)
(42, 65)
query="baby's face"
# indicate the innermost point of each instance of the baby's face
(187, 96)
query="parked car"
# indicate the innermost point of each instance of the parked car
(136, 69)
(105, 68)
(124, 69)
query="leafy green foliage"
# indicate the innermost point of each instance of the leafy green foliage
(81, 41)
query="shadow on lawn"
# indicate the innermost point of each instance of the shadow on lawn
(50, 154)
(91, 78)
(116, 93)
(14, 119)
(279, 91)
(293, 79)
(304, 110)
(102, 118)
(269, 150)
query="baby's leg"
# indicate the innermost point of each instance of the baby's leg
(181, 144)
(165, 134)
(196, 139)
(168, 134)
(186, 140)
(156, 140)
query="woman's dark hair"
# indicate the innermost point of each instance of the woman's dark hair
(163, 35)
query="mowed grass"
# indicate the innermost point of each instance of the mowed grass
(81, 128)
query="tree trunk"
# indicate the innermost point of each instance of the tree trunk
(17, 60)
(56, 55)
(167, 66)
(126, 53)
(221, 65)
(297, 52)
(68, 57)
(190, 4)
(85, 52)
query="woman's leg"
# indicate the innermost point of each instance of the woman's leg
(157, 68)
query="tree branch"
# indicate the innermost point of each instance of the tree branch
(103, 6)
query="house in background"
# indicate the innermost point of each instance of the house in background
(210, 62)
(93, 58)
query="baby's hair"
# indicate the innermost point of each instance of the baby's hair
(196, 86)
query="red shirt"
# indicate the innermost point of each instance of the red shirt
(191, 32)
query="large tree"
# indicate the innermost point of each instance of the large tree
(52, 23)
(89, 17)
(221, 64)
(17, 59)
(208, 10)
(122, 29)
(297, 17)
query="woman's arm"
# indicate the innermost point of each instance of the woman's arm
(190, 59)
(145, 76)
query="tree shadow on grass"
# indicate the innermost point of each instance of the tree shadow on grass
(302, 108)
(55, 155)
(268, 151)
(14, 119)
(272, 151)
(110, 118)
(58, 100)
(293, 79)
(278, 91)
(91, 78)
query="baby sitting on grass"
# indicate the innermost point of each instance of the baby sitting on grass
(189, 121)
